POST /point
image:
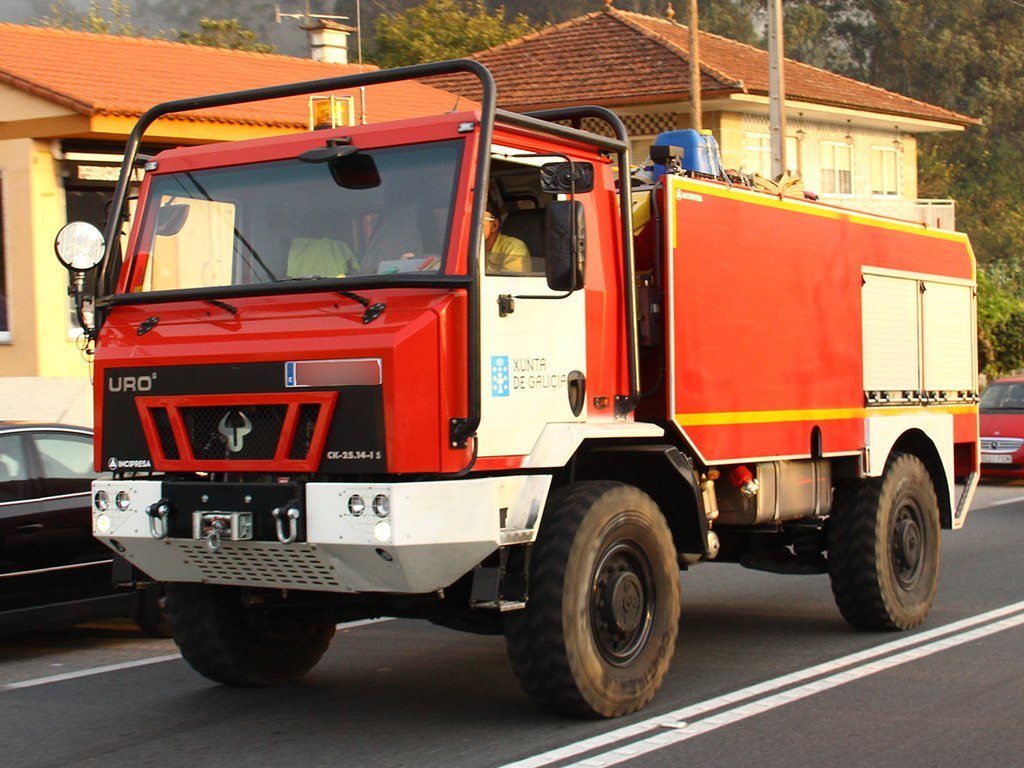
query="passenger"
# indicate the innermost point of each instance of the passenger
(504, 252)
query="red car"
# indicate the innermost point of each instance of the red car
(1002, 428)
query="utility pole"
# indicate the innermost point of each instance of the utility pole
(776, 88)
(696, 119)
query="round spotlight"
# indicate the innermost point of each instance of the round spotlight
(123, 501)
(356, 505)
(101, 501)
(381, 505)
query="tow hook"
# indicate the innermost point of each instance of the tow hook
(158, 513)
(292, 516)
(213, 536)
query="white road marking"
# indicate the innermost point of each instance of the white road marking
(88, 672)
(839, 671)
(1004, 502)
(138, 663)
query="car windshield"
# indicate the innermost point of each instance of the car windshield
(1003, 396)
(377, 212)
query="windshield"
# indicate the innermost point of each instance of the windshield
(290, 219)
(1003, 396)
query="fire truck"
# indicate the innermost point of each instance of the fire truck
(317, 401)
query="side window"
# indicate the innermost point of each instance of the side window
(66, 461)
(13, 469)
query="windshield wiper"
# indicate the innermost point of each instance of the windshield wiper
(373, 311)
(223, 305)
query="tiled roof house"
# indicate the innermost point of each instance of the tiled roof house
(849, 140)
(66, 83)
(620, 58)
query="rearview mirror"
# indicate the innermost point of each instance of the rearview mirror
(565, 245)
(567, 178)
(349, 167)
(170, 218)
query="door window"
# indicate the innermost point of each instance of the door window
(66, 463)
(13, 469)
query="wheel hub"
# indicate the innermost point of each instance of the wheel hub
(624, 601)
(621, 603)
(907, 548)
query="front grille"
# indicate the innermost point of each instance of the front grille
(242, 433)
(166, 433)
(1001, 444)
(304, 430)
(246, 433)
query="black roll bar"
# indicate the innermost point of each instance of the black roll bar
(461, 429)
(620, 146)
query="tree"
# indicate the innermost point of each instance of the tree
(93, 20)
(969, 57)
(442, 29)
(735, 19)
(225, 33)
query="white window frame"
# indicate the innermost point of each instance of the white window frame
(885, 187)
(831, 172)
(758, 147)
(757, 154)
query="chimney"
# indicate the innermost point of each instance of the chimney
(328, 40)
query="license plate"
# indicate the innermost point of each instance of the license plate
(996, 458)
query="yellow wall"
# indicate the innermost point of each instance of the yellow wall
(42, 343)
(19, 356)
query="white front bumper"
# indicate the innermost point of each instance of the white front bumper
(434, 533)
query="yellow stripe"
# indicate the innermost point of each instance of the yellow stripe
(823, 210)
(824, 414)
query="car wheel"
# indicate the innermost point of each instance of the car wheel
(884, 547)
(599, 628)
(231, 639)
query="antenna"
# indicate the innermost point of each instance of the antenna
(307, 14)
(278, 15)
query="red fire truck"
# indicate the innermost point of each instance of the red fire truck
(318, 401)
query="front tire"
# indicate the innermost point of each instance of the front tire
(234, 641)
(884, 547)
(599, 630)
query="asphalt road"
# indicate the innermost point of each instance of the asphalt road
(766, 673)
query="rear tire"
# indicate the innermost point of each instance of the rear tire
(229, 640)
(884, 547)
(599, 630)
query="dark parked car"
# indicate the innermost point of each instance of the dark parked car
(1002, 428)
(53, 572)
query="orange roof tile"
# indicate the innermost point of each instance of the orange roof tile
(615, 57)
(112, 75)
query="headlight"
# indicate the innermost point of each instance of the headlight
(101, 501)
(381, 505)
(382, 531)
(122, 500)
(356, 505)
